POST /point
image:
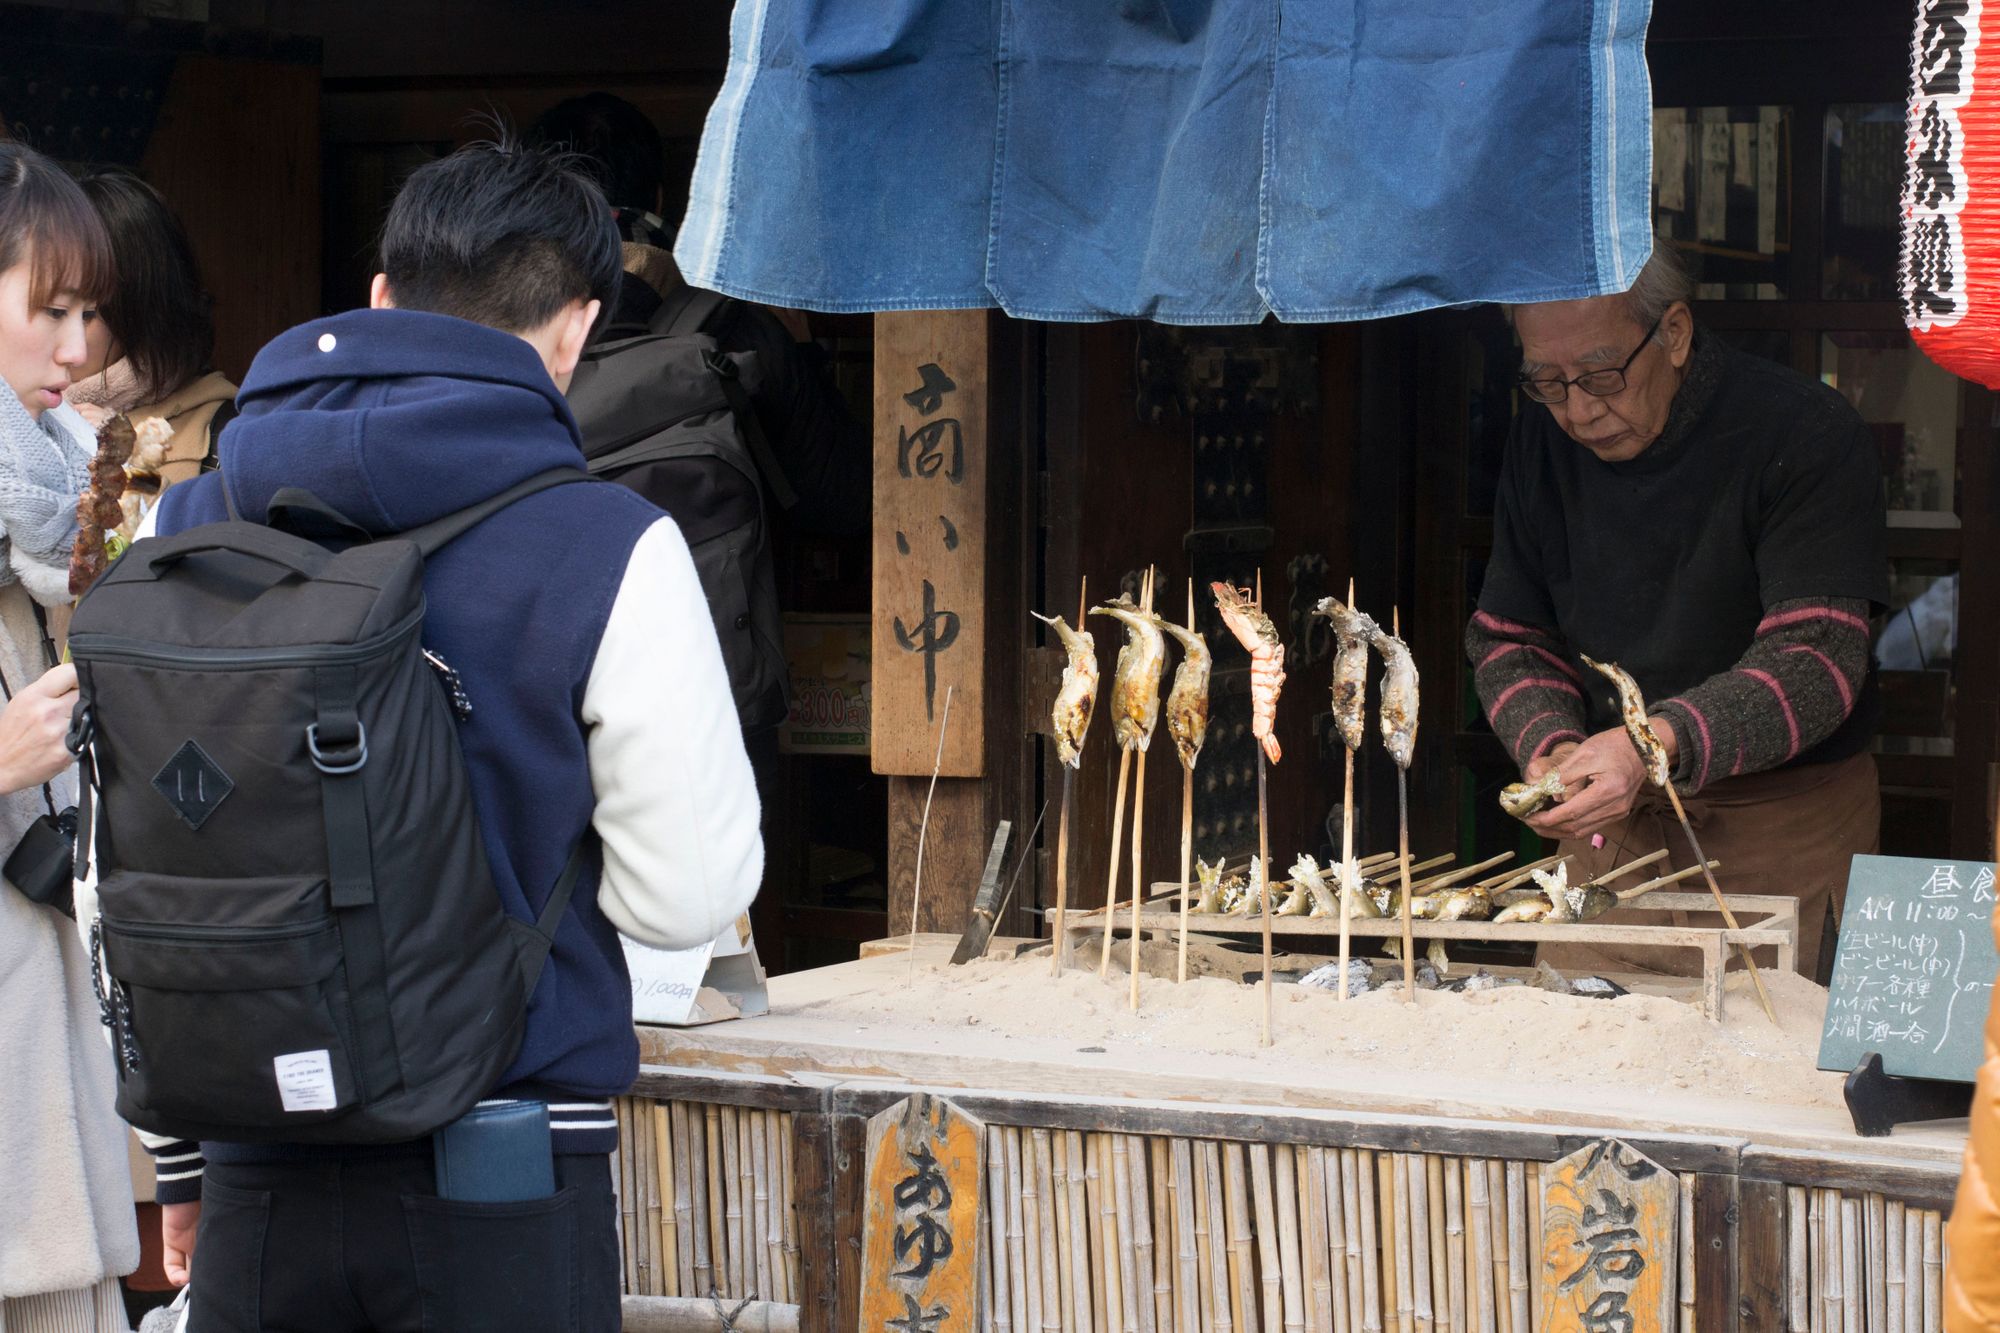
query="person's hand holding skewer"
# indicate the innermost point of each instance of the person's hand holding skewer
(1604, 776)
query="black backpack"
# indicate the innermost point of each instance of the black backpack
(298, 936)
(664, 411)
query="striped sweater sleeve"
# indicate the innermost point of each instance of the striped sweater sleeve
(1791, 689)
(1532, 693)
(177, 1167)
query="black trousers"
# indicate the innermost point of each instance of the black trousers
(366, 1246)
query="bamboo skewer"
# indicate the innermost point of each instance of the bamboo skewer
(1187, 828)
(1111, 883)
(1138, 879)
(1459, 874)
(1059, 952)
(1264, 856)
(1403, 847)
(1638, 890)
(924, 830)
(1349, 873)
(1701, 859)
(1638, 863)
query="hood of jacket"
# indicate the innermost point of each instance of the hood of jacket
(394, 418)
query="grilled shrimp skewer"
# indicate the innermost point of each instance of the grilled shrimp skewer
(1254, 630)
(1187, 723)
(1632, 708)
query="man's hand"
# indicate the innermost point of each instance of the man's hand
(1604, 776)
(32, 730)
(1553, 759)
(177, 1227)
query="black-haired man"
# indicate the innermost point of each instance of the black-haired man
(578, 628)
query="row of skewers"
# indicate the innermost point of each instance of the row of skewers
(1135, 711)
(1135, 706)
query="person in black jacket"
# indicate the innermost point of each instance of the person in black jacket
(822, 450)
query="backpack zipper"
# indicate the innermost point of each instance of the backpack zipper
(118, 648)
(262, 934)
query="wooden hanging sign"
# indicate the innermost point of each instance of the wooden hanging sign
(920, 1232)
(1609, 1261)
(930, 542)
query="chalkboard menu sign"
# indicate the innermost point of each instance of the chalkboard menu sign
(1914, 974)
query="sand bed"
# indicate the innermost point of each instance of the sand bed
(1638, 1050)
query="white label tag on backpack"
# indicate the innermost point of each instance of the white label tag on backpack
(305, 1081)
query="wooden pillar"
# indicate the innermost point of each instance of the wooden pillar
(947, 601)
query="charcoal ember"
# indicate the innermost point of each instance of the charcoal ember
(1360, 977)
(1479, 981)
(1597, 988)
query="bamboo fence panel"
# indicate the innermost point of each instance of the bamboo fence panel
(1107, 1232)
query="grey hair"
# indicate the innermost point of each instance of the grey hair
(1662, 283)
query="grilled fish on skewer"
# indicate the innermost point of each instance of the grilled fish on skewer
(1306, 871)
(1209, 876)
(1632, 708)
(1187, 701)
(1358, 894)
(1352, 631)
(1521, 799)
(1398, 709)
(1135, 682)
(1297, 903)
(1254, 630)
(1077, 698)
(1468, 903)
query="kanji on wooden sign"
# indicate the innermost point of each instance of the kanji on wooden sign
(1609, 1261)
(930, 542)
(920, 1232)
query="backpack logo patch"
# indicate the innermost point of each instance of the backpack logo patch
(193, 784)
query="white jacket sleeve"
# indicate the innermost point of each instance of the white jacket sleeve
(676, 805)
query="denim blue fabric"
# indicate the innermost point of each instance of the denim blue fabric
(1187, 161)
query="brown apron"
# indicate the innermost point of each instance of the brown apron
(1789, 831)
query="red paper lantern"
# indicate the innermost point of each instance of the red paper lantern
(1950, 274)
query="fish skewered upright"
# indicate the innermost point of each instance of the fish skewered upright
(1187, 723)
(1076, 700)
(1351, 631)
(1398, 715)
(1135, 680)
(1069, 718)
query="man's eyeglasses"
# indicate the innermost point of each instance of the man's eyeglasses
(1597, 383)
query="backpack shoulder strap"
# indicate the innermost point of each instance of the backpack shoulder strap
(685, 310)
(434, 536)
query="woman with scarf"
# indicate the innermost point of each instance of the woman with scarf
(66, 1217)
(150, 350)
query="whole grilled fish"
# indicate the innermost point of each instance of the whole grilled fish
(1352, 631)
(1135, 682)
(1521, 799)
(1399, 697)
(1077, 698)
(1632, 708)
(1187, 701)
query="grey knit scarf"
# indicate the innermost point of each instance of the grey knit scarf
(42, 472)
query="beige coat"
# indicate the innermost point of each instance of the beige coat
(66, 1199)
